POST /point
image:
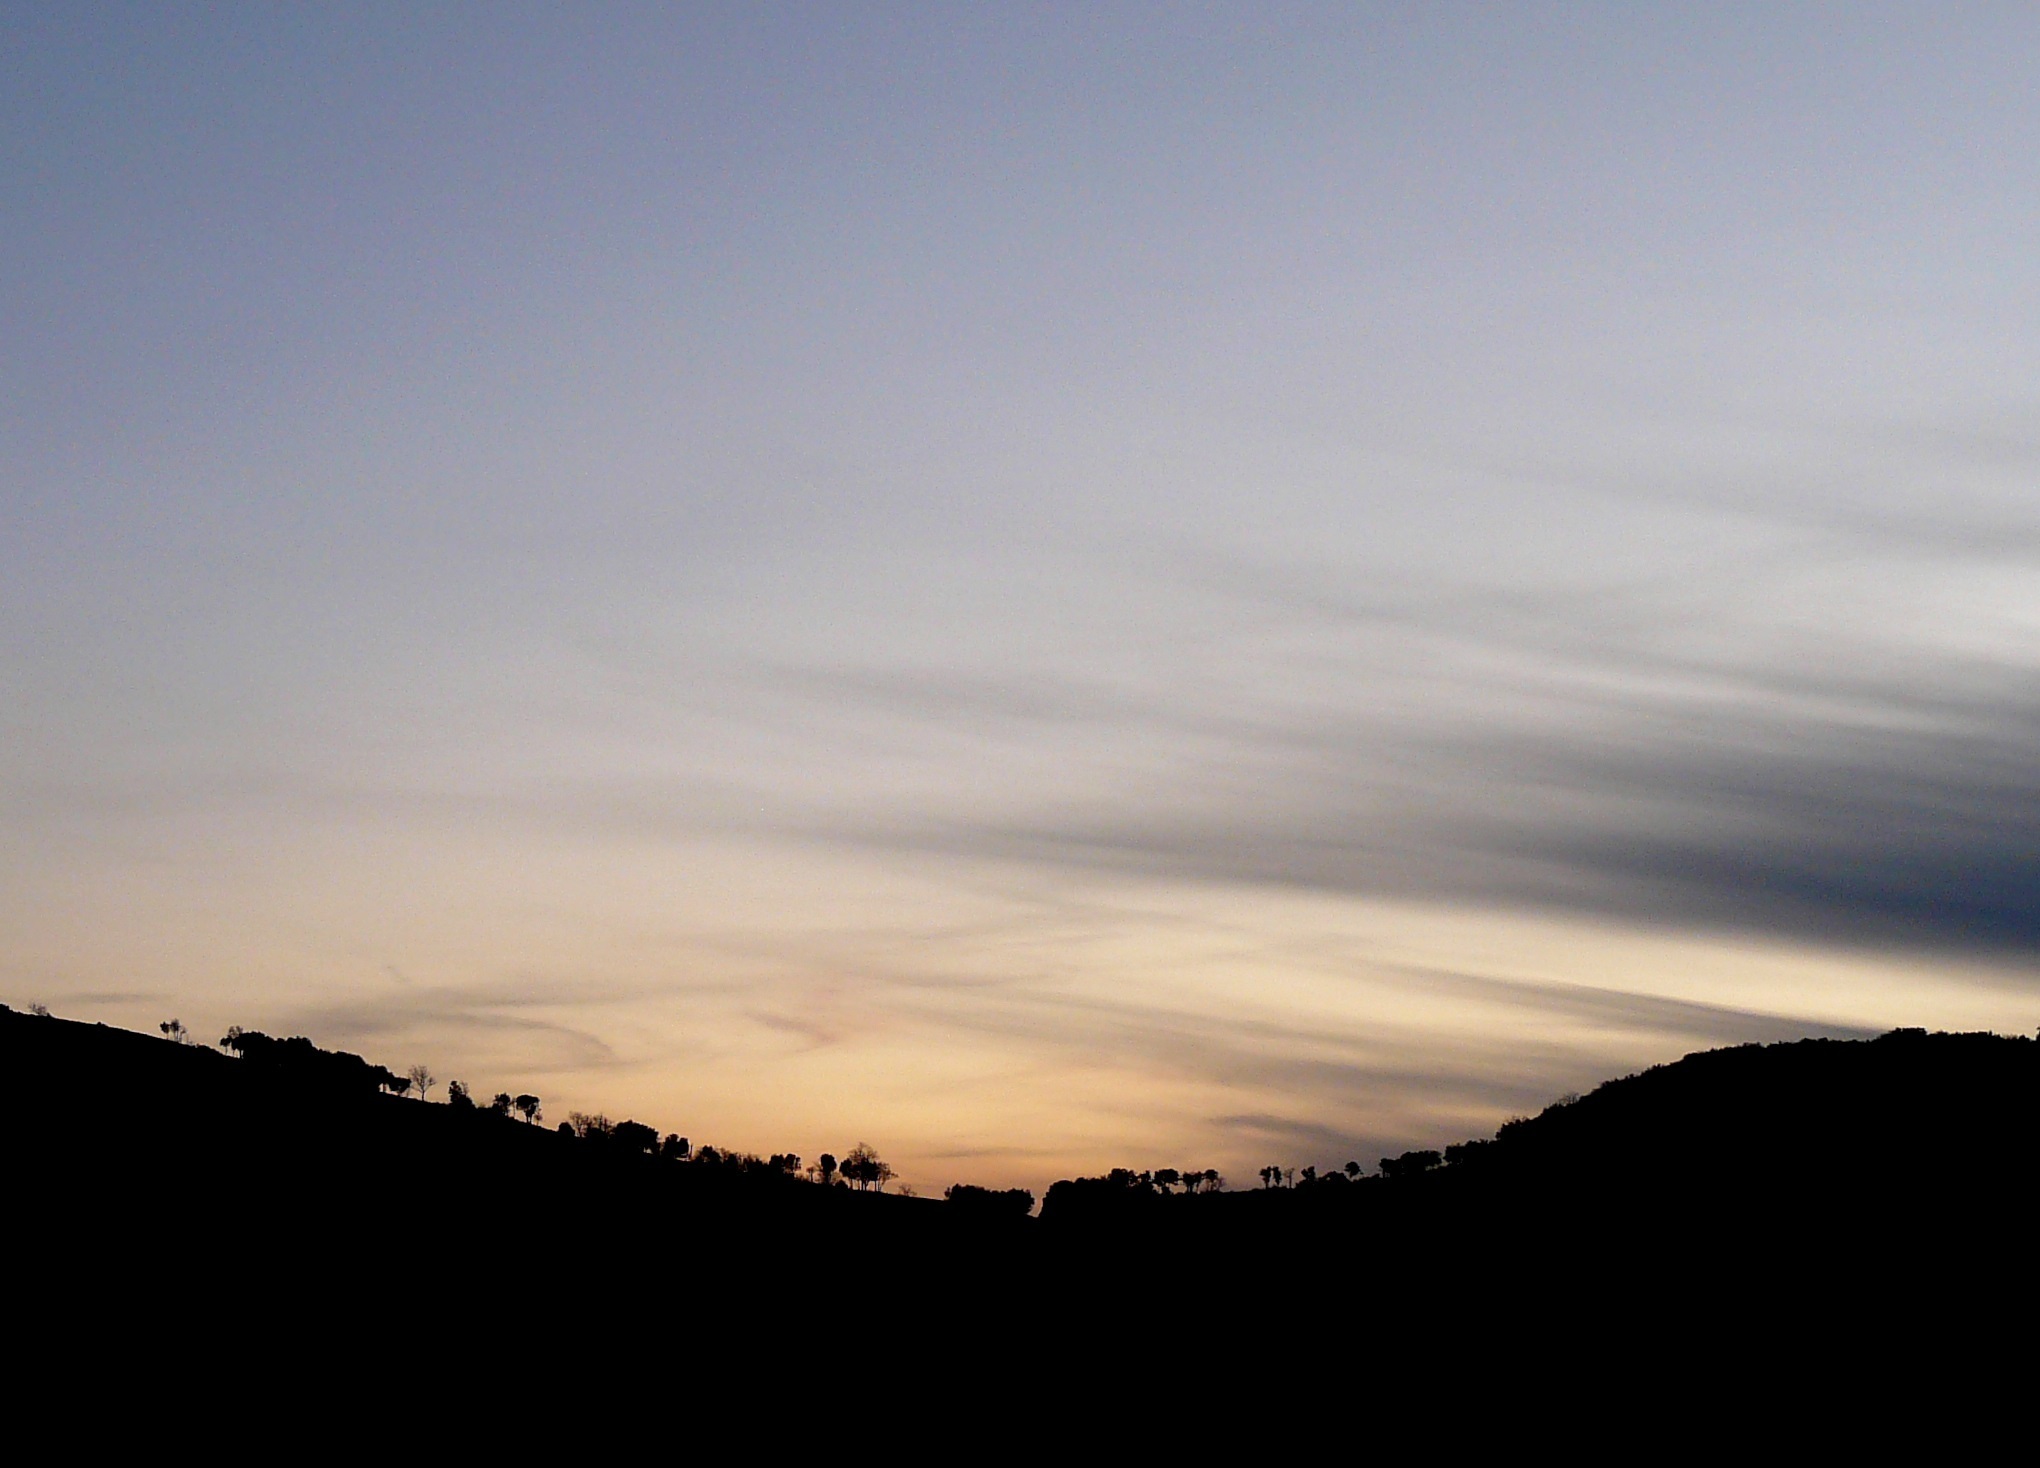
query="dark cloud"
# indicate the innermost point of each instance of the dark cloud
(1927, 838)
(1924, 832)
(1638, 752)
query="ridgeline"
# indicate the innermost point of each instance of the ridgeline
(1842, 1173)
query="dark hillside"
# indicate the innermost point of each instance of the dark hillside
(1826, 1168)
(1729, 1203)
(141, 1171)
(1949, 1113)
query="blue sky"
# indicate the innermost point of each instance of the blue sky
(1043, 588)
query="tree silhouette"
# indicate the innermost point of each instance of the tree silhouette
(174, 1029)
(986, 1203)
(865, 1168)
(634, 1137)
(422, 1081)
(1410, 1164)
(305, 1064)
(528, 1105)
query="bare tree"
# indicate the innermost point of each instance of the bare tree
(422, 1081)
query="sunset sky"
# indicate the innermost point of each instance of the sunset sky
(1044, 587)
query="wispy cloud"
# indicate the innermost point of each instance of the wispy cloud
(1637, 752)
(1288, 1137)
(1701, 1023)
(476, 1020)
(1342, 1077)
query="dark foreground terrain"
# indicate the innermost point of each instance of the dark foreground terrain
(1736, 1212)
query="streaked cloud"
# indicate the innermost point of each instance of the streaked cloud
(483, 1024)
(1079, 588)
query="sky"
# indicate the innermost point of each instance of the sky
(1042, 587)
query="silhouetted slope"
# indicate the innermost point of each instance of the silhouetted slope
(1823, 1167)
(142, 1171)
(1730, 1206)
(1950, 1112)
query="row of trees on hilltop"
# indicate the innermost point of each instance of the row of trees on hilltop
(860, 1168)
(1639, 1116)
(341, 1072)
(1409, 1164)
(1662, 1116)
(1123, 1187)
(501, 1104)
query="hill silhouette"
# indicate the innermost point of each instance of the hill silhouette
(1828, 1181)
(1892, 1134)
(173, 1203)
(251, 1159)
